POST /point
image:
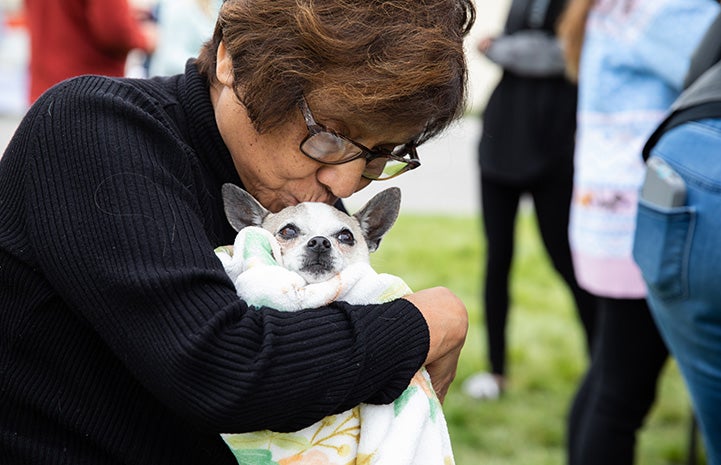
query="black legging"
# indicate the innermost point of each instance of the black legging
(552, 201)
(619, 387)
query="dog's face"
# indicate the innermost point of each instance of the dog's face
(317, 240)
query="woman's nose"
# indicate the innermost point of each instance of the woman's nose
(343, 180)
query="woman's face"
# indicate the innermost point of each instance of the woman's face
(271, 165)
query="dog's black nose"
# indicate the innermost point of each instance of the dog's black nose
(318, 244)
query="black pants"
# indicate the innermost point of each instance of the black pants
(552, 202)
(620, 387)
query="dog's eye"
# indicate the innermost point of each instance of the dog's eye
(346, 237)
(289, 231)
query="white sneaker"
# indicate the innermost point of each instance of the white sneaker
(482, 386)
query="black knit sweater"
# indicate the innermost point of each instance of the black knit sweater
(122, 340)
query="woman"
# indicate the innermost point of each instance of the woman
(123, 340)
(529, 126)
(633, 59)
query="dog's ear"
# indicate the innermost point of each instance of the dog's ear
(241, 208)
(378, 215)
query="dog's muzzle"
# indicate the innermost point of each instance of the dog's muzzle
(318, 258)
(319, 245)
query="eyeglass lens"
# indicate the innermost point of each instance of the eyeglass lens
(384, 168)
(327, 147)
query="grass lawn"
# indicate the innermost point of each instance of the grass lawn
(546, 356)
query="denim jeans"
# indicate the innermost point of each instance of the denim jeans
(679, 252)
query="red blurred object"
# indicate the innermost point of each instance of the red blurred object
(15, 20)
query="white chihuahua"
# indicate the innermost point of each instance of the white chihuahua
(320, 255)
(317, 240)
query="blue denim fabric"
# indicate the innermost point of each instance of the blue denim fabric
(679, 253)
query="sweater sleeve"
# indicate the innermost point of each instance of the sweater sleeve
(113, 216)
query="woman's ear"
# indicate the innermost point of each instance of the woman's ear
(224, 66)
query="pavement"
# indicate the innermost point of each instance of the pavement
(8, 123)
(447, 182)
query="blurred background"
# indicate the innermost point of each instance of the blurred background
(437, 241)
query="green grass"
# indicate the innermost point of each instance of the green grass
(545, 355)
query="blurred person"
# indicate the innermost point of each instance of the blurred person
(676, 243)
(526, 148)
(630, 58)
(13, 64)
(75, 37)
(122, 338)
(183, 27)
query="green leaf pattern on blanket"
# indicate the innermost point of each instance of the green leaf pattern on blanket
(332, 440)
(258, 249)
(254, 457)
(393, 292)
(434, 404)
(224, 249)
(400, 403)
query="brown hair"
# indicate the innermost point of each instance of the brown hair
(571, 30)
(386, 61)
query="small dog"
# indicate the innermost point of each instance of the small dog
(317, 240)
(319, 255)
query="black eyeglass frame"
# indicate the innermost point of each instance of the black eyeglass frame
(315, 128)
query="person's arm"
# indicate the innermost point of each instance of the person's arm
(447, 320)
(529, 52)
(116, 218)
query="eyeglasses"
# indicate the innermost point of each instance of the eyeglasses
(326, 146)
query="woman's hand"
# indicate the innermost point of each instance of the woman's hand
(447, 321)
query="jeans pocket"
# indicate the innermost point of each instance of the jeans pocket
(661, 247)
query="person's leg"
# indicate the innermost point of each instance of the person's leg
(620, 387)
(552, 203)
(680, 258)
(577, 425)
(499, 207)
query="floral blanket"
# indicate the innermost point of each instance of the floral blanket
(410, 431)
